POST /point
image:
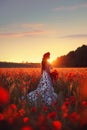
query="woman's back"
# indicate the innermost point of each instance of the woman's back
(46, 66)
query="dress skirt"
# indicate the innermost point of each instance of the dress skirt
(44, 92)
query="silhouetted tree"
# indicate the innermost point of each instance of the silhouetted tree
(77, 58)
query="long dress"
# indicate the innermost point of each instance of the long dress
(44, 91)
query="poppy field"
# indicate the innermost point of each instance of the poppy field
(68, 113)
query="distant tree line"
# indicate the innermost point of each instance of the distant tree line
(19, 65)
(77, 58)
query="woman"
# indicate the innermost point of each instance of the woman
(44, 89)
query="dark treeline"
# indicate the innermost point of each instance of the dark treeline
(77, 58)
(19, 65)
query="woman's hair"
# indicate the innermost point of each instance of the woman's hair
(46, 56)
(44, 60)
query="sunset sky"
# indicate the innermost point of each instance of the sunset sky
(29, 28)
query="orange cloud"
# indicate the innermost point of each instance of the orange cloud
(23, 34)
(27, 29)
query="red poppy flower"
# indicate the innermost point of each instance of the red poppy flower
(21, 111)
(70, 76)
(54, 75)
(1, 117)
(64, 108)
(57, 125)
(25, 119)
(26, 128)
(65, 115)
(13, 106)
(16, 115)
(84, 103)
(45, 108)
(74, 117)
(4, 96)
(10, 120)
(52, 115)
(66, 103)
(33, 109)
(41, 119)
(54, 103)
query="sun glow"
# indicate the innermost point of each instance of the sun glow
(51, 60)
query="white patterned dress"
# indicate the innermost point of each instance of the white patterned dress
(44, 90)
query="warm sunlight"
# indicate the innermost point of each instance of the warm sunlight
(51, 59)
